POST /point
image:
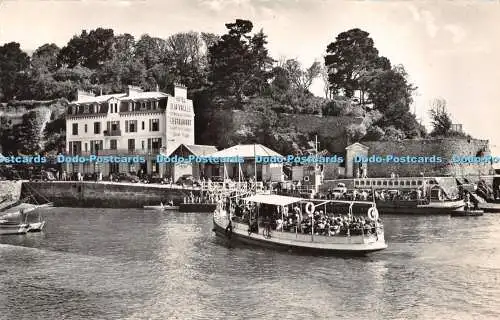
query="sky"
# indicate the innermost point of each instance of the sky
(449, 49)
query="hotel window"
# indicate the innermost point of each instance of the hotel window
(85, 128)
(86, 147)
(75, 129)
(154, 124)
(130, 107)
(143, 106)
(154, 144)
(113, 126)
(97, 127)
(86, 109)
(143, 126)
(116, 107)
(142, 145)
(131, 145)
(113, 144)
(131, 126)
(95, 146)
(110, 108)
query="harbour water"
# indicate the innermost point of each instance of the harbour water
(133, 264)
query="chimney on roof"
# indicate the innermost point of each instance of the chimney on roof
(180, 90)
(82, 95)
(133, 90)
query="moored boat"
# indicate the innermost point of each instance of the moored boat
(162, 207)
(420, 206)
(36, 226)
(345, 235)
(12, 227)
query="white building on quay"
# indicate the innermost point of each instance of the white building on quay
(135, 123)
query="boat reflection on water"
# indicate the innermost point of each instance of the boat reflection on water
(278, 222)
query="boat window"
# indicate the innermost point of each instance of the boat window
(408, 182)
(396, 183)
(419, 183)
(362, 183)
(379, 183)
(390, 183)
(368, 183)
(384, 183)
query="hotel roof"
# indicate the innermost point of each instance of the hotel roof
(122, 97)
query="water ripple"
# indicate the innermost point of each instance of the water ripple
(132, 264)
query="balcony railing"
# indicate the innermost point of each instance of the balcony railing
(112, 133)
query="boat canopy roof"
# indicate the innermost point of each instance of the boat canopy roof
(273, 199)
(278, 200)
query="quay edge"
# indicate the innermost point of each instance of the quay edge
(104, 194)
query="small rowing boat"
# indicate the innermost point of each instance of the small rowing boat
(162, 207)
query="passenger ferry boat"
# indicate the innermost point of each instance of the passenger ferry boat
(314, 238)
(436, 203)
(433, 200)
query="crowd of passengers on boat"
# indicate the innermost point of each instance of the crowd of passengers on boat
(380, 195)
(326, 224)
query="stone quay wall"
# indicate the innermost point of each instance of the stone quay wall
(444, 148)
(104, 194)
(10, 189)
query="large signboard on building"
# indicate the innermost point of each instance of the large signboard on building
(180, 120)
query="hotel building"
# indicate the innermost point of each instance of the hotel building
(132, 123)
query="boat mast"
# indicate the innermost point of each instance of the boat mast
(255, 166)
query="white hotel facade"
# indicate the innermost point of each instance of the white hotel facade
(132, 123)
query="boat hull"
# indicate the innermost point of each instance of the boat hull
(13, 229)
(240, 235)
(467, 213)
(161, 208)
(197, 207)
(434, 208)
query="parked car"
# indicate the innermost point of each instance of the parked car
(187, 180)
(157, 179)
(42, 176)
(125, 177)
(217, 179)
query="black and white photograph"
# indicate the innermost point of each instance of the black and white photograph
(249, 159)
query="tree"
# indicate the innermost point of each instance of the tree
(90, 50)
(326, 85)
(239, 64)
(441, 121)
(352, 54)
(300, 78)
(13, 63)
(186, 58)
(151, 51)
(44, 59)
